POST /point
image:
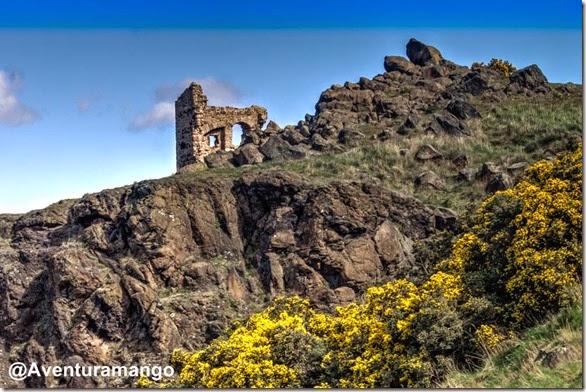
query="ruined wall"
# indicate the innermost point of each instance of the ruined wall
(201, 129)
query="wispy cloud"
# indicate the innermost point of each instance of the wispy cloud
(162, 114)
(13, 112)
(85, 103)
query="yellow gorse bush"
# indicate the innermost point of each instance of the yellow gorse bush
(501, 66)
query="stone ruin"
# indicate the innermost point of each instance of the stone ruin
(202, 130)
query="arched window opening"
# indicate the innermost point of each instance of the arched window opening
(213, 140)
(237, 134)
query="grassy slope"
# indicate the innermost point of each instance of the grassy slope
(514, 364)
(508, 132)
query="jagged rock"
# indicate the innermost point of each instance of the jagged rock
(276, 149)
(349, 137)
(272, 128)
(461, 161)
(412, 124)
(318, 143)
(384, 135)
(427, 152)
(399, 64)
(303, 129)
(568, 88)
(445, 219)
(467, 174)
(248, 155)
(393, 107)
(292, 135)
(434, 72)
(430, 180)
(529, 77)
(499, 182)
(488, 170)
(462, 109)
(452, 125)
(474, 83)
(254, 136)
(422, 54)
(219, 159)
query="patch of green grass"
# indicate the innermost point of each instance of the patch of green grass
(514, 364)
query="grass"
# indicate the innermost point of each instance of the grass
(514, 365)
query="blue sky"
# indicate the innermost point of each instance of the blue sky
(86, 87)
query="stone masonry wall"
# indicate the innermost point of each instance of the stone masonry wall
(201, 129)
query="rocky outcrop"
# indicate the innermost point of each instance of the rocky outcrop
(126, 275)
(422, 54)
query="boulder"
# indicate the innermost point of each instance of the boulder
(349, 137)
(462, 109)
(292, 135)
(399, 64)
(219, 159)
(412, 124)
(422, 54)
(466, 174)
(488, 170)
(499, 182)
(461, 161)
(474, 83)
(445, 218)
(276, 148)
(452, 125)
(248, 155)
(272, 128)
(529, 77)
(426, 152)
(430, 180)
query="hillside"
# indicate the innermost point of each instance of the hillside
(374, 187)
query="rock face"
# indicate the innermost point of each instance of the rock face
(126, 275)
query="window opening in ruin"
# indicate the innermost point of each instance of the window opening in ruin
(237, 134)
(214, 141)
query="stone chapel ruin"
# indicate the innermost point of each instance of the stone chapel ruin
(201, 129)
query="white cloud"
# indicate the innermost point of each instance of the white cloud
(12, 112)
(162, 113)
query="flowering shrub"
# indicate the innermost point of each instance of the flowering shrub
(501, 66)
(525, 249)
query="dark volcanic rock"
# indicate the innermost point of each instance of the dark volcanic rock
(276, 149)
(499, 182)
(399, 64)
(452, 125)
(248, 155)
(422, 54)
(426, 152)
(462, 109)
(474, 83)
(529, 77)
(430, 180)
(219, 159)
